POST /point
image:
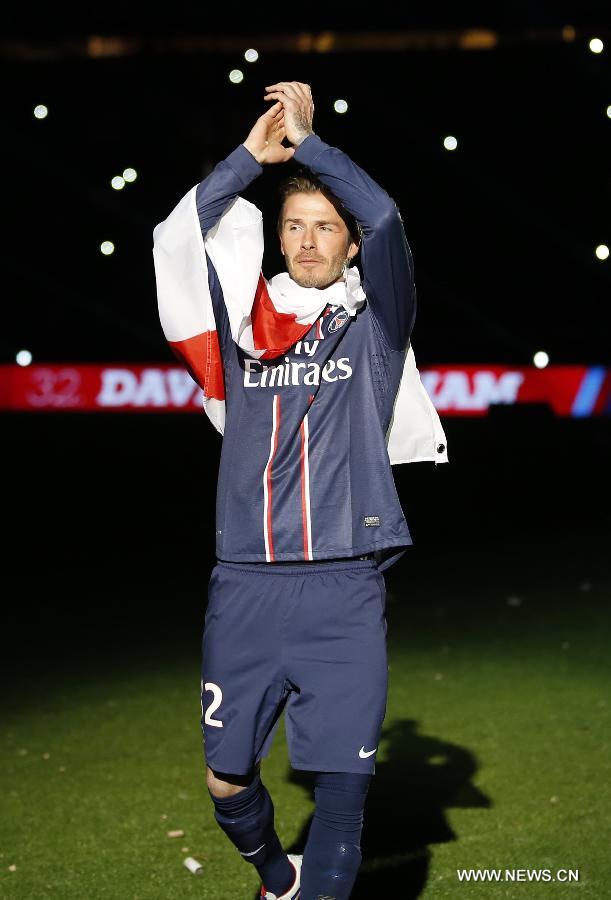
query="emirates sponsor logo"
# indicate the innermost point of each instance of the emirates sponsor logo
(288, 373)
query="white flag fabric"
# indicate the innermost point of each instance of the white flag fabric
(266, 317)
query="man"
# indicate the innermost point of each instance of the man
(307, 511)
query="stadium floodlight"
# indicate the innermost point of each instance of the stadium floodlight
(596, 45)
(251, 55)
(130, 174)
(340, 106)
(118, 183)
(23, 358)
(450, 142)
(541, 359)
(236, 76)
(602, 251)
(41, 111)
(107, 247)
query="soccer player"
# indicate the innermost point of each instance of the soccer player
(307, 511)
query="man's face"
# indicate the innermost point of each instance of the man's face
(314, 240)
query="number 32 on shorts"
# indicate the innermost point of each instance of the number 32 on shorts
(217, 699)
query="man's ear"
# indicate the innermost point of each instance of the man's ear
(353, 249)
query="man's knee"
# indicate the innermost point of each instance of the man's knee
(245, 812)
(223, 784)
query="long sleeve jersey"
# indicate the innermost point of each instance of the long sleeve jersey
(304, 471)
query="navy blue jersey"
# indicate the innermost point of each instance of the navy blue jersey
(304, 471)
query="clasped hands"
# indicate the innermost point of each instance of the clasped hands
(290, 117)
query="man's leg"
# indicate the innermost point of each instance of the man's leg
(245, 812)
(337, 662)
(243, 693)
(332, 856)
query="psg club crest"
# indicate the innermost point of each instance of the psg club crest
(338, 320)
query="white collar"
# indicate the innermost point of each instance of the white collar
(306, 302)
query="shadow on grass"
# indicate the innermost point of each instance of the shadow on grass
(420, 778)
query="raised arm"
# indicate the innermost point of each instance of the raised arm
(386, 258)
(228, 179)
(262, 146)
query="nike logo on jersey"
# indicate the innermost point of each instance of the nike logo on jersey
(365, 753)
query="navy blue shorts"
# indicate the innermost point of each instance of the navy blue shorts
(310, 638)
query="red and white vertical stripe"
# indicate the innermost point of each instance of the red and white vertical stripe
(267, 481)
(305, 489)
(304, 471)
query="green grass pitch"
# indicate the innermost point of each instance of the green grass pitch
(495, 755)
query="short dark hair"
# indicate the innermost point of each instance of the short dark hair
(304, 182)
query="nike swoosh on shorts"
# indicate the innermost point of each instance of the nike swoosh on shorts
(365, 753)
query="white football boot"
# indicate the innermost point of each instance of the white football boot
(294, 892)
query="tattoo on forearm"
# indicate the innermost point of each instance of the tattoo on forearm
(303, 127)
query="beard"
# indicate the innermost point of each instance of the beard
(327, 272)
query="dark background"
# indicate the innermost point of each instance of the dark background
(109, 537)
(503, 230)
(112, 517)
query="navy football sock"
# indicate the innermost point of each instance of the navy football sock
(247, 819)
(332, 855)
